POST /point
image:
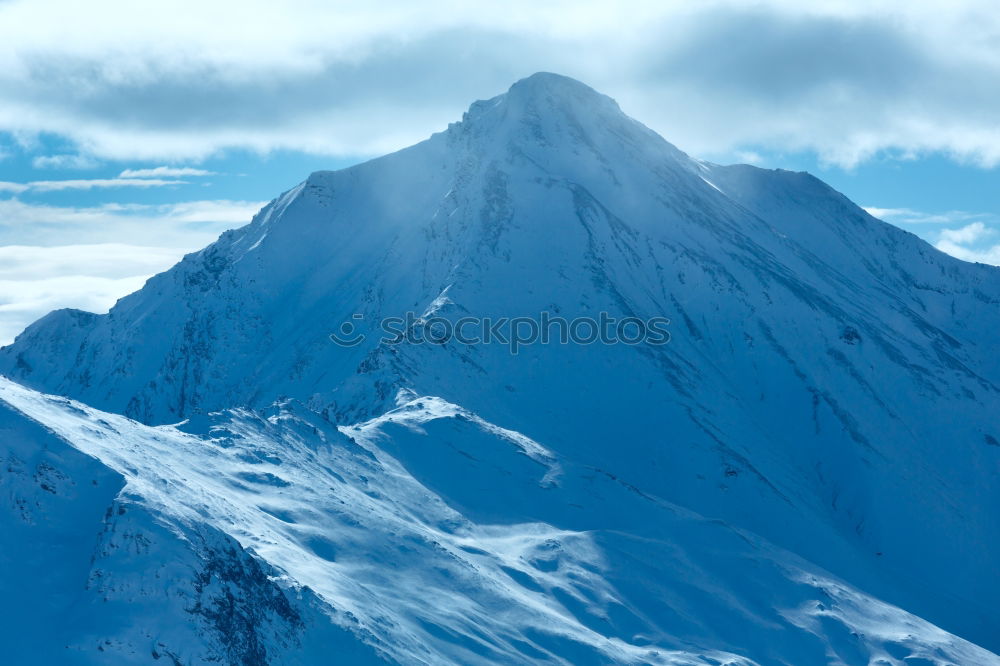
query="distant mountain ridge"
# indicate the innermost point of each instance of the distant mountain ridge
(831, 384)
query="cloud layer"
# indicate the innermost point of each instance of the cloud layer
(164, 172)
(37, 280)
(54, 257)
(186, 79)
(186, 224)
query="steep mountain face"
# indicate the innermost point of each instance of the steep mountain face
(831, 382)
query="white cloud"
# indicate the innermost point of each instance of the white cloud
(37, 280)
(23, 302)
(749, 157)
(188, 224)
(969, 243)
(987, 255)
(221, 211)
(67, 263)
(185, 79)
(86, 184)
(98, 183)
(164, 172)
(886, 213)
(105, 260)
(64, 162)
(967, 235)
(906, 216)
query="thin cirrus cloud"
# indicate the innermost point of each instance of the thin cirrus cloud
(64, 161)
(161, 176)
(165, 172)
(908, 216)
(85, 184)
(846, 80)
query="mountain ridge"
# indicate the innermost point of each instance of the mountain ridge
(805, 334)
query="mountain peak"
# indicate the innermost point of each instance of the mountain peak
(549, 86)
(548, 113)
(545, 94)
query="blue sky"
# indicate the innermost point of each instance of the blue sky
(131, 133)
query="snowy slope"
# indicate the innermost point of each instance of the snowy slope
(96, 573)
(831, 383)
(557, 564)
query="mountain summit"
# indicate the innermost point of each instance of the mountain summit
(814, 450)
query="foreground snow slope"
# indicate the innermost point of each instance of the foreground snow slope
(277, 538)
(831, 383)
(98, 568)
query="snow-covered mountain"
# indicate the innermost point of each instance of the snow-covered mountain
(814, 451)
